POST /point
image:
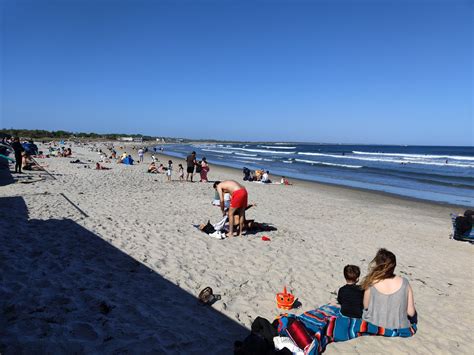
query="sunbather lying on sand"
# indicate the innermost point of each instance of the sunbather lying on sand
(100, 167)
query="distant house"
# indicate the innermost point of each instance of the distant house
(138, 139)
(125, 139)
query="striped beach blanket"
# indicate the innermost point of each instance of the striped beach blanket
(326, 325)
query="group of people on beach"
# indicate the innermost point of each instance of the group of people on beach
(382, 298)
(259, 175)
(382, 305)
(192, 166)
(168, 171)
(201, 167)
(25, 152)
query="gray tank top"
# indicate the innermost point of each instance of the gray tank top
(388, 311)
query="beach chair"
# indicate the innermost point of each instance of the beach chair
(466, 237)
(7, 158)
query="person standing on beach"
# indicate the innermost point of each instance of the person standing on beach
(140, 155)
(170, 170)
(181, 172)
(191, 162)
(238, 202)
(204, 169)
(18, 148)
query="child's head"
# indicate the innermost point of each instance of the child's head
(170, 162)
(351, 273)
(180, 165)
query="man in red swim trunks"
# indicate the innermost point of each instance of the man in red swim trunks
(238, 202)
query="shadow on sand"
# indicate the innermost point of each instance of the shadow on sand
(64, 289)
(6, 177)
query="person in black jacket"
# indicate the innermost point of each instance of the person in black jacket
(350, 296)
(18, 148)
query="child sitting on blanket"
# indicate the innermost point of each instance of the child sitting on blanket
(351, 296)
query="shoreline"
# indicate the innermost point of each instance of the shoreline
(311, 183)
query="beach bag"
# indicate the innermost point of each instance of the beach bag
(198, 168)
(260, 339)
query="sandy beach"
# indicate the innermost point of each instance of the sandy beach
(109, 261)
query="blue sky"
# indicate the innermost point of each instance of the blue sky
(388, 72)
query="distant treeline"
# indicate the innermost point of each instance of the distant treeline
(44, 134)
(40, 133)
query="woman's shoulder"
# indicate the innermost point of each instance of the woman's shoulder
(390, 286)
(405, 281)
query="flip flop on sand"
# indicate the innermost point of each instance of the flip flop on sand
(207, 297)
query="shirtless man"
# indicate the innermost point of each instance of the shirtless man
(238, 202)
(191, 162)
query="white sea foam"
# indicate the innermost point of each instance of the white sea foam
(246, 155)
(217, 151)
(389, 160)
(427, 156)
(204, 145)
(288, 161)
(275, 147)
(329, 164)
(260, 150)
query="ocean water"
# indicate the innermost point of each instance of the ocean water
(441, 174)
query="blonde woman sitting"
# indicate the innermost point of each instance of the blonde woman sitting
(388, 298)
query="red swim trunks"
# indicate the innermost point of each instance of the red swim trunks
(239, 199)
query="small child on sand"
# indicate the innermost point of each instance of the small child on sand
(181, 172)
(351, 296)
(284, 181)
(170, 170)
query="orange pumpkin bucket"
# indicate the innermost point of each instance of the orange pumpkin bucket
(285, 300)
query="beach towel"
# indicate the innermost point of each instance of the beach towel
(326, 324)
(219, 226)
(210, 231)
